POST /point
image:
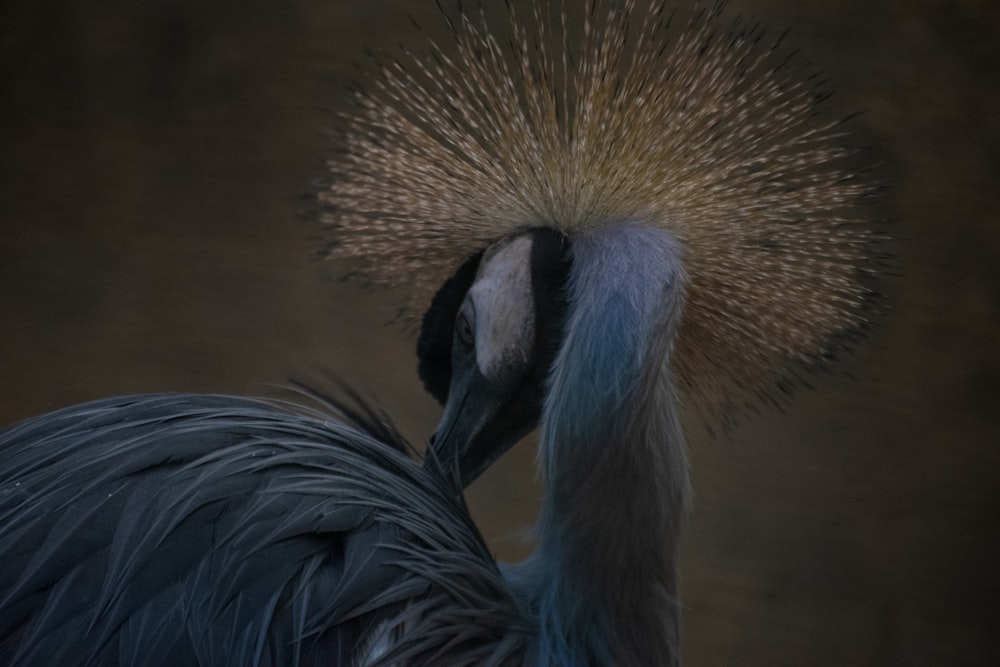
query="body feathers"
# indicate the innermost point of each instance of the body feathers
(184, 529)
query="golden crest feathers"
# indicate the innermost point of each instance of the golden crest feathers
(579, 119)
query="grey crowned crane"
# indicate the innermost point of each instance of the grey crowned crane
(610, 214)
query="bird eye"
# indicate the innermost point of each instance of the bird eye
(464, 330)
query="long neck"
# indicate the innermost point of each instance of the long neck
(604, 575)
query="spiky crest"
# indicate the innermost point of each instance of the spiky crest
(711, 132)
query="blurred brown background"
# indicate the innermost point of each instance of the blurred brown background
(151, 156)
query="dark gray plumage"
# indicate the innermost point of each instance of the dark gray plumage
(181, 529)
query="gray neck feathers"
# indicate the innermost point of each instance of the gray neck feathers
(614, 459)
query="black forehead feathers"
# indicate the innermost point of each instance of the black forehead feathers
(434, 343)
(550, 259)
(550, 266)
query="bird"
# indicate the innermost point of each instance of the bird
(600, 218)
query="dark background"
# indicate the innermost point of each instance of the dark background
(151, 158)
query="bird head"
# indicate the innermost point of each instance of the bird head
(486, 345)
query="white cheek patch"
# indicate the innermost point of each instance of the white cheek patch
(505, 309)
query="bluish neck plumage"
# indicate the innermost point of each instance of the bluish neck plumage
(603, 578)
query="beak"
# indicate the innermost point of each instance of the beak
(480, 423)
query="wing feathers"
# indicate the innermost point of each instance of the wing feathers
(189, 529)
